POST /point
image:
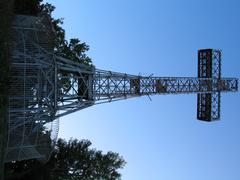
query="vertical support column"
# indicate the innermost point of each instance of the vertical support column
(216, 74)
(204, 71)
(209, 66)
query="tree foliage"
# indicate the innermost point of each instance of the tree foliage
(73, 49)
(72, 160)
(27, 7)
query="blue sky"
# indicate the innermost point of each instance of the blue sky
(159, 139)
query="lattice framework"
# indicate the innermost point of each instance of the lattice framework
(45, 87)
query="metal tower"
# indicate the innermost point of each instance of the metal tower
(93, 86)
(45, 87)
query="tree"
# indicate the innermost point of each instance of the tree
(27, 7)
(73, 49)
(72, 160)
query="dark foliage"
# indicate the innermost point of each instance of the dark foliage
(6, 15)
(27, 7)
(73, 49)
(71, 160)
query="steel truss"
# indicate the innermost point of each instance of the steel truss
(45, 87)
(89, 86)
(209, 66)
(32, 126)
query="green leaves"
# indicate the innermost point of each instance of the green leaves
(72, 160)
(76, 159)
(75, 50)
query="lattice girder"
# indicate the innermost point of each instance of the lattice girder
(45, 87)
(98, 86)
(209, 66)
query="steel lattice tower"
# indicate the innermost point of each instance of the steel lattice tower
(45, 87)
(94, 86)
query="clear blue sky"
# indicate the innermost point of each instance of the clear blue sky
(159, 139)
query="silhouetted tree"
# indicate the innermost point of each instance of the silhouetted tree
(27, 7)
(72, 160)
(73, 49)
